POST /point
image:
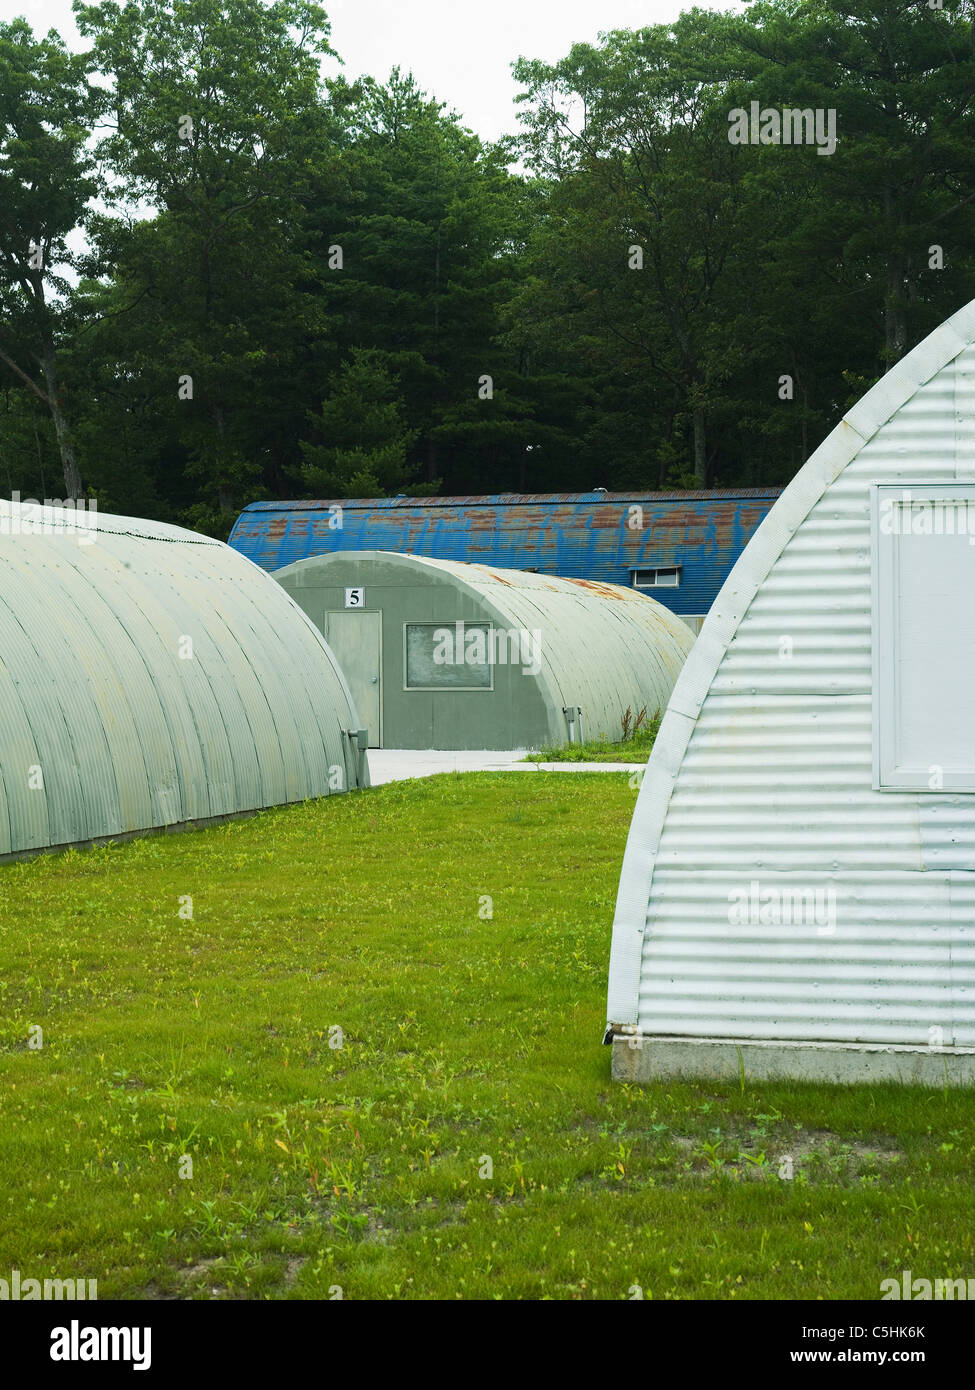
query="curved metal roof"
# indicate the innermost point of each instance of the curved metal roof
(150, 676)
(603, 647)
(516, 499)
(593, 535)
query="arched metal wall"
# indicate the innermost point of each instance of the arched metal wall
(150, 676)
(776, 904)
(602, 648)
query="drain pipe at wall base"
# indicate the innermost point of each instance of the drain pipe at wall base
(359, 742)
(573, 717)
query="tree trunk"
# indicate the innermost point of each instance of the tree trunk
(431, 446)
(226, 492)
(805, 425)
(40, 456)
(895, 318)
(700, 449)
(432, 459)
(69, 461)
(663, 460)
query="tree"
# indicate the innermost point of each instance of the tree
(219, 121)
(365, 443)
(428, 219)
(901, 78)
(769, 277)
(650, 208)
(47, 106)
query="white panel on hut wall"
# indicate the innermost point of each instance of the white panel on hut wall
(784, 782)
(898, 963)
(934, 675)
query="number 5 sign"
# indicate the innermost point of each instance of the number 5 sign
(355, 598)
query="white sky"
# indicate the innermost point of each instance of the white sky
(458, 50)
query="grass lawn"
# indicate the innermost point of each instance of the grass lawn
(633, 749)
(465, 1038)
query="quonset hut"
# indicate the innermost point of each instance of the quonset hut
(150, 677)
(798, 891)
(445, 655)
(678, 547)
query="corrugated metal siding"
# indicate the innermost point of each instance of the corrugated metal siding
(947, 826)
(575, 535)
(775, 786)
(602, 648)
(127, 735)
(901, 962)
(785, 783)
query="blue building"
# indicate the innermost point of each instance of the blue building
(678, 546)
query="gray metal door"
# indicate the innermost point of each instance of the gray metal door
(356, 638)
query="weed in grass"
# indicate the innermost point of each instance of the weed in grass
(635, 745)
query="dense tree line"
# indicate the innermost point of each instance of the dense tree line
(224, 276)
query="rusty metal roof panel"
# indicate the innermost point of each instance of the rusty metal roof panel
(596, 536)
(510, 499)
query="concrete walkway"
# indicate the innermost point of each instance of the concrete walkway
(401, 764)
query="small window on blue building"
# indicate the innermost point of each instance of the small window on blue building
(657, 578)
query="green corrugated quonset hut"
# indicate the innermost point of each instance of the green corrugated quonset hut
(151, 677)
(441, 654)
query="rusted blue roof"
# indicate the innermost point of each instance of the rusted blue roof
(589, 535)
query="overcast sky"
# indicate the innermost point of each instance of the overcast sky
(459, 50)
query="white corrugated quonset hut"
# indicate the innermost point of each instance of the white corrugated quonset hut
(798, 891)
(151, 677)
